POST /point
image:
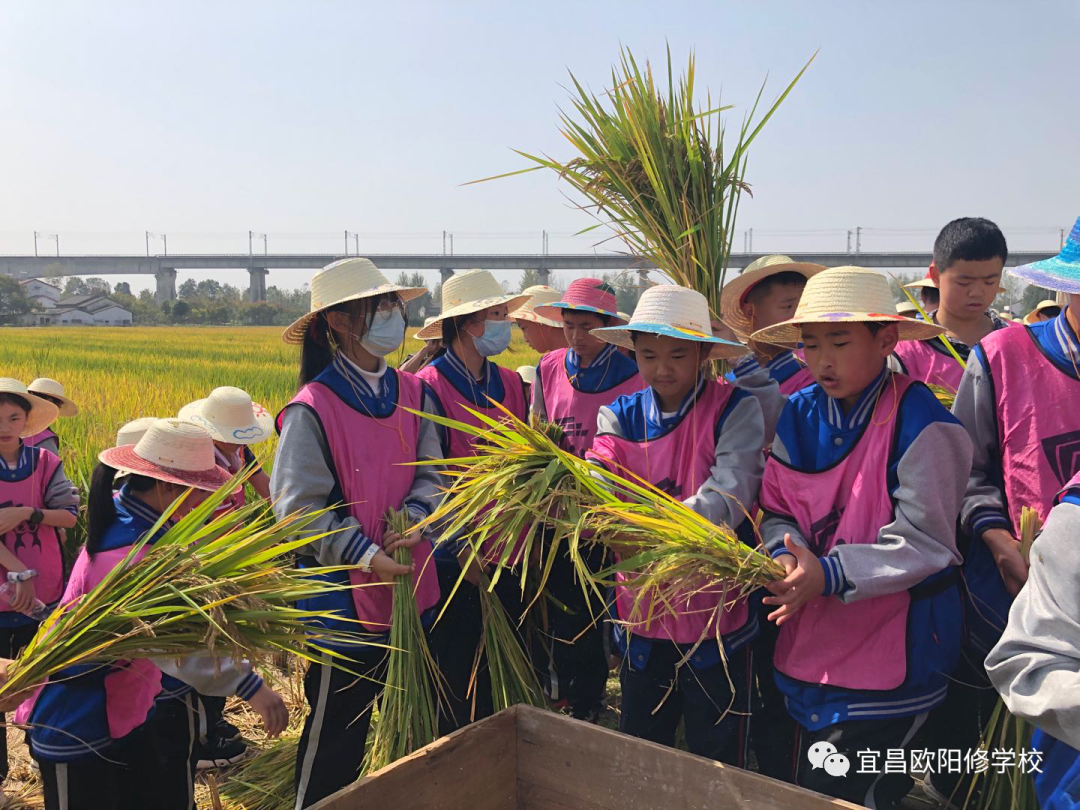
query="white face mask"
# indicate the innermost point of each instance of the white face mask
(495, 339)
(385, 332)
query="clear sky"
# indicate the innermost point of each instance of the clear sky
(304, 119)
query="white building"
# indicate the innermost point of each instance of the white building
(95, 309)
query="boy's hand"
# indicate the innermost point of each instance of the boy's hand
(386, 567)
(1010, 562)
(272, 710)
(393, 540)
(805, 580)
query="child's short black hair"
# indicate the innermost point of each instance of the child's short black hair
(972, 239)
(14, 399)
(931, 296)
(758, 292)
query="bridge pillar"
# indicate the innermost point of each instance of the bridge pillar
(166, 284)
(257, 286)
(643, 278)
(545, 276)
(446, 272)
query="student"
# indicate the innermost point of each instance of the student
(860, 496)
(542, 334)
(929, 296)
(1034, 665)
(89, 729)
(1044, 311)
(969, 256)
(1025, 451)
(347, 439)
(36, 500)
(699, 440)
(474, 327)
(51, 391)
(907, 309)
(431, 348)
(572, 384)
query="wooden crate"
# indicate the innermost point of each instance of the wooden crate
(527, 759)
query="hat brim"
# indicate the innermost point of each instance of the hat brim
(1053, 274)
(124, 460)
(624, 336)
(434, 330)
(788, 332)
(555, 311)
(66, 406)
(734, 291)
(921, 283)
(532, 317)
(257, 431)
(42, 414)
(294, 333)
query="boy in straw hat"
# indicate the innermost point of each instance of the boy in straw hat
(571, 386)
(51, 391)
(699, 440)
(969, 256)
(1045, 310)
(860, 497)
(349, 439)
(542, 334)
(1026, 449)
(37, 501)
(95, 732)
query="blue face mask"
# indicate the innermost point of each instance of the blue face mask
(495, 339)
(385, 333)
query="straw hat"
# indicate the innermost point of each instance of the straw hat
(539, 295)
(846, 295)
(527, 373)
(736, 290)
(623, 316)
(230, 416)
(1039, 307)
(346, 280)
(51, 388)
(584, 295)
(466, 293)
(172, 451)
(42, 412)
(1006, 316)
(1060, 273)
(671, 311)
(134, 430)
(906, 308)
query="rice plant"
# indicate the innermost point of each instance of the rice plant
(513, 678)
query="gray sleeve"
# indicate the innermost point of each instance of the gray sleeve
(774, 526)
(61, 493)
(219, 676)
(735, 478)
(427, 488)
(51, 444)
(755, 380)
(984, 504)
(921, 540)
(1036, 664)
(538, 409)
(302, 482)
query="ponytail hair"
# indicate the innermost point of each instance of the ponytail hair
(320, 343)
(100, 508)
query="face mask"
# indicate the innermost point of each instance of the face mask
(386, 333)
(495, 339)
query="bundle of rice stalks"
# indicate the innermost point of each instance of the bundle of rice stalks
(654, 169)
(513, 678)
(946, 396)
(225, 587)
(407, 709)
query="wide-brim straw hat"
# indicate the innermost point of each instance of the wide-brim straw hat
(906, 308)
(736, 290)
(134, 430)
(1039, 307)
(42, 412)
(671, 311)
(51, 388)
(846, 295)
(230, 416)
(527, 373)
(346, 280)
(584, 295)
(539, 295)
(466, 293)
(173, 451)
(1059, 273)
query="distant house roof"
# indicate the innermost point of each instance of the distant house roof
(89, 304)
(41, 281)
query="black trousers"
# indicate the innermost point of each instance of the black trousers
(125, 777)
(213, 708)
(175, 727)
(874, 788)
(772, 732)
(12, 640)
(716, 717)
(331, 750)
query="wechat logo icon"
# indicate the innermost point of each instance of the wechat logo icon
(823, 755)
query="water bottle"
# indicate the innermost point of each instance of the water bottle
(39, 612)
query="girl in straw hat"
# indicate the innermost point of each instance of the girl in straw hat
(700, 441)
(347, 440)
(37, 501)
(860, 497)
(542, 334)
(91, 729)
(51, 391)
(571, 386)
(432, 346)
(474, 326)
(1026, 449)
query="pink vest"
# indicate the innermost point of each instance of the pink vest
(678, 462)
(1038, 420)
(925, 363)
(797, 382)
(38, 438)
(131, 687)
(369, 458)
(36, 548)
(855, 646)
(573, 410)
